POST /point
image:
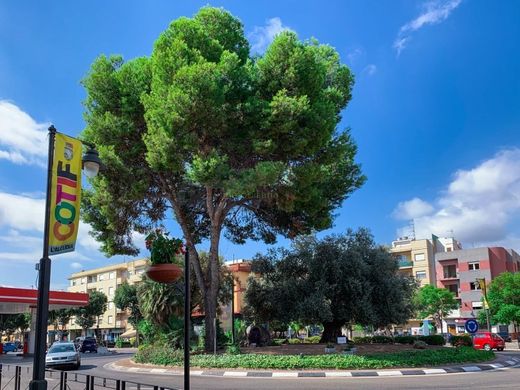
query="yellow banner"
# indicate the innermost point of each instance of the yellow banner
(65, 195)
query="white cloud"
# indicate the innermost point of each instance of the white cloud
(413, 208)
(21, 212)
(435, 12)
(76, 265)
(22, 139)
(354, 55)
(370, 69)
(262, 36)
(478, 205)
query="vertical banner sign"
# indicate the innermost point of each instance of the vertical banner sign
(65, 195)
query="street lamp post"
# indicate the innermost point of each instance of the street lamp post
(187, 315)
(91, 165)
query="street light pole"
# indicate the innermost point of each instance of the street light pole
(187, 314)
(91, 165)
(44, 279)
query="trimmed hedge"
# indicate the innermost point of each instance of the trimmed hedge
(295, 341)
(461, 341)
(161, 355)
(430, 340)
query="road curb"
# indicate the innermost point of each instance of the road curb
(115, 366)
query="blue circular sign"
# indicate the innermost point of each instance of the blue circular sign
(471, 326)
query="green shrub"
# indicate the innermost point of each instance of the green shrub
(418, 344)
(279, 341)
(362, 340)
(233, 349)
(434, 339)
(161, 355)
(461, 341)
(295, 341)
(404, 339)
(382, 340)
(312, 340)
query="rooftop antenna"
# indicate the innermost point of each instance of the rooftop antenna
(412, 226)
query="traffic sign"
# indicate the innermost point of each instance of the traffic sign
(471, 326)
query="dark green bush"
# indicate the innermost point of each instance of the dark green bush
(363, 340)
(382, 340)
(295, 341)
(462, 340)
(279, 341)
(404, 339)
(434, 339)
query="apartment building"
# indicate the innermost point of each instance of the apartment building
(114, 322)
(417, 257)
(106, 280)
(458, 271)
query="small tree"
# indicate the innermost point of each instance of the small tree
(435, 302)
(337, 281)
(125, 298)
(60, 318)
(504, 299)
(86, 316)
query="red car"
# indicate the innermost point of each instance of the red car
(488, 341)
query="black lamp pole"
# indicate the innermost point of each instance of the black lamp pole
(187, 314)
(91, 163)
(44, 279)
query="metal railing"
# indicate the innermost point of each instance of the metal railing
(18, 378)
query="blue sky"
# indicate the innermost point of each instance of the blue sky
(435, 110)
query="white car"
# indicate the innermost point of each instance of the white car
(63, 354)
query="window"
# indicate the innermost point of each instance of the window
(110, 305)
(474, 266)
(474, 286)
(419, 256)
(450, 271)
(101, 277)
(139, 271)
(420, 275)
(112, 275)
(110, 319)
(111, 291)
(448, 249)
(454, 288)
(83, 280)
(118, 323)
(477, 305)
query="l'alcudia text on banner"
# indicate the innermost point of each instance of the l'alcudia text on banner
(65, 195)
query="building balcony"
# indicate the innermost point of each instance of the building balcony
(405, 263)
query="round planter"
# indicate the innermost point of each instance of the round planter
(164, 273)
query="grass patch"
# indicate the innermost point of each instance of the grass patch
(167, 356)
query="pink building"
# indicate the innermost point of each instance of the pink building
(458, 270)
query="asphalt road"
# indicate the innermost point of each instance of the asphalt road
(94, 365)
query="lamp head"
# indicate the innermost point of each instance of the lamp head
(91, 162)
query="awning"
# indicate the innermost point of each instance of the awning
(128, 334)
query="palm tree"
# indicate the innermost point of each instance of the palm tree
(158, 302)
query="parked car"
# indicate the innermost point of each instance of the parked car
(88, 345)
(62, 354)
(488, 341)
(505, 335)
(10, 347)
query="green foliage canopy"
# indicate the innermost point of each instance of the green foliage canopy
(229, 143)
(336, 281)
(504, 298)
(435, 302)
(86, 316)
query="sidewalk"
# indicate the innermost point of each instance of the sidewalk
(128, 365)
